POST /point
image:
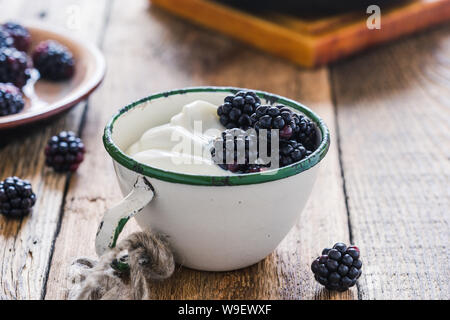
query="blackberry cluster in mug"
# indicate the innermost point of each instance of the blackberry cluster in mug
(53, 61)
(243, 115)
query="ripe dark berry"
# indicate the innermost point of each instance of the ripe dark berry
(315, 266)
(20, 35)
(305, 132)
(236, 110)
(357, 264)
(323, 270)
(11, 99)
(274, 112)
(16, 197)
(64, 152)
(341, 247)
(291, 151)
(244, 110)
(323, 259)
(342, 269)
(334, 254)
(347, 259)
(275, 117)
(237, 151)
(334, 277)
(5, 39)
(336, 269)
(332, 265)
(353, 272)
(353, 252)
(53, 60)
(14, 67)
(346, 281)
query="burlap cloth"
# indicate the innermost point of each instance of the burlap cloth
(124, 272)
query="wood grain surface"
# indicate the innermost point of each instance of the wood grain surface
(394, 118)
(27, 244)
(383, 185)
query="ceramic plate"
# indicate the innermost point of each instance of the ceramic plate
(44, 98)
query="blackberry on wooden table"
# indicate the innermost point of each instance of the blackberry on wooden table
(20, 35)
(338, 268)
(14, 66)
(11, 99)
(236, 110)
(16, 197)
(53, 61)
(64, 152)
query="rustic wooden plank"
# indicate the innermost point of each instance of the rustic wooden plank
(393, 116)
(159, 52)
(26, 245)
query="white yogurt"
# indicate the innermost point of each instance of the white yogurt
(183, 144)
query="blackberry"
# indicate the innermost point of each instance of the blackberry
(236, 110)
(338, 268)
(237, 151)
(292, 151)
(20, 35)
(16, 197)
(14, 67)
(53, 60)
(5, 39)
(276, 117)
(64, 152)
(11, 100)
(306, 133)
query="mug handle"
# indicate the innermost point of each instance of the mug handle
(115, 218)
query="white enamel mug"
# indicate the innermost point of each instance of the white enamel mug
(213, 223)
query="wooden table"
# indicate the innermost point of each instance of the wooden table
(384, 184)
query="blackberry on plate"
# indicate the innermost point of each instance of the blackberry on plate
(11, 99)
(53, 60)
(237, 151)
(16, 197)
(338, 268)
(236, 110)
(5, 39)
(64, 152)
(292, 151)
(14, 67)
(20, 35)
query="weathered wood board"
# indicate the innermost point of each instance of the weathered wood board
(394, 117)
(26, 246)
